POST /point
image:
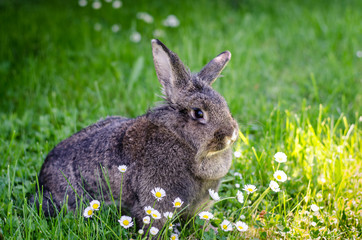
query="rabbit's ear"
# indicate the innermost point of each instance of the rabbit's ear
(171, 72)
(213, 69)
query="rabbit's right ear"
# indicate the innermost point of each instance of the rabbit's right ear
(171, 72)
(213, 69)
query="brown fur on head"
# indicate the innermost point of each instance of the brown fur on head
(187, 93)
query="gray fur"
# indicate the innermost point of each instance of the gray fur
(166, 147)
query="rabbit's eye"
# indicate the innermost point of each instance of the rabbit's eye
(198, 113)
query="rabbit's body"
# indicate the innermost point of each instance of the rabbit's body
(182, 146)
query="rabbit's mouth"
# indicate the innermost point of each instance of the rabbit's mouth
(221, 143)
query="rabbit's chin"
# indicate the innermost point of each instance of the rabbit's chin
(214, 152)
(215, 147)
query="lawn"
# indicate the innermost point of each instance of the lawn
(293, 84)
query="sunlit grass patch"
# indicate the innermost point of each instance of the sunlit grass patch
(323, 183)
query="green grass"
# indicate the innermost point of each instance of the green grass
(293, 84)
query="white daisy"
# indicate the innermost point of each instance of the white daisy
(146, 17)
(122, 168)
(206, 215)
(237, 154)
(313, 224)
(214, 195)
(115, 28)
(135, 37)
(237, 185)
(274, 186)
(154, 230)
(359, 54)
(177, 203)
(82, 3)
(314, 208)
(140, 231)
(158, 193)
(240, 197)
(146, 220)
(156, 214)
(117, 4)
(95, 204)
(168, 215)
(96, 5)
(158, 33)
(174, 236)
(249, 188)
(97, 27)
(170, 226)
(226, 226)
(241, 226)
(237, 174)
(242, 217)
(280, 157)
(280, 176)
(148, 210)
(126, 222)
(171, 21)
(88, 212)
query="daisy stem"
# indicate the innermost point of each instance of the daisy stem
(203, 230)
(178, 217)
(120, 197)
(139, 237)
(163, 227)
(223, 199)
(149, 227)
(245, 201)
(120, 203)
(278, 166)
(118, 237)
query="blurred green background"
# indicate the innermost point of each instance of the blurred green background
(283, 53)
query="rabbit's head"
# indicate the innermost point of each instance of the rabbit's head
(195, 111)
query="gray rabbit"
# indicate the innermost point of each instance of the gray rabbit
(182, 146)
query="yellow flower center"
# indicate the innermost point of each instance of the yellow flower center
(148, 211)
(125, 222)
(158, 194)
(90, 212)
(224, 226)
(250, 189)
(177, 204)
(95, 206)
(279, 177)
(123, 169)
(240, 227)
(154, 215)
(173, 237)
(206, 217)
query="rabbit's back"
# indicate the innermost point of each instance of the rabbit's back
(80, 163)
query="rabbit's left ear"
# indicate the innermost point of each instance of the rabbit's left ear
(171, 72)
(213, 69)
